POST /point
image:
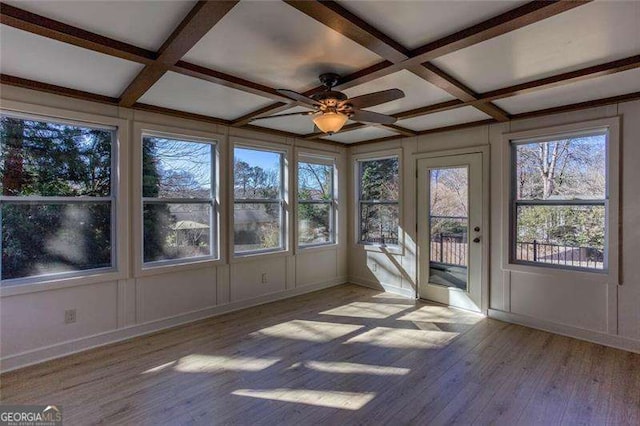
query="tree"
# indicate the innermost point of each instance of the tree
(156, 222)
(52, 159)
(449, 202)
(380, 181)
(314, 184)
(250, 183)
(564, 169)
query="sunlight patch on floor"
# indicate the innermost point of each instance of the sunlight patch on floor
(441, 314)
(386, 337)
(352, 368)
(312, 331)
(318, 398)
(367, 310)
(213, 363)
(159, 368)
(386, 295)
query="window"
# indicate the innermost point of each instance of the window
(179, 199)
(316, 201)
(378, 207)
(57, 204)
(259, 208)
(559, 201)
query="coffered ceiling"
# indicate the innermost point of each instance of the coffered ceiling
(459, 63)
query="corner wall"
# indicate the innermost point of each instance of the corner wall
(32, 325)
(575, 304)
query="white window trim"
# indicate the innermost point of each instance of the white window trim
(142, 269)
(119, 198)
(612, 125)
(287, 178)
(377, 155)
(318, 157)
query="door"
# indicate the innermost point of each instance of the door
(450, 230)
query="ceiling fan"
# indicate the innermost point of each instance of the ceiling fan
(332, 109)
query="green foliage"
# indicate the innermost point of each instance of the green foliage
(157, 218)
(565, 169)
(256, 224)
(52, 159)
(379, 181)
(566, 226)
(315, 183)
(314, 223)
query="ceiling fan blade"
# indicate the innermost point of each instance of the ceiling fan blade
(372, 117)
(299, 97)
(376, 98)
(283, 115)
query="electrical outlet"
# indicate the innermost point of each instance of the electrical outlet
(374, 267)
(264, 278)
(69, 316)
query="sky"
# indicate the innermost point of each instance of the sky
(264, 159)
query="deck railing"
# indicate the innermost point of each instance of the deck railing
(556, 254)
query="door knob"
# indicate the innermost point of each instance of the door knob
(477, 229)
(476, 240)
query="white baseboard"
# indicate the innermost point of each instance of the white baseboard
(36, 356)
(614, 341)
(383, 287)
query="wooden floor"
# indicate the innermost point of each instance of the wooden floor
(347, 355)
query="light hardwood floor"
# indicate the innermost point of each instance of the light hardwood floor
(346, 355)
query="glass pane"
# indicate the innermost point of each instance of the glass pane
(175, 169)
(573, 168)
(379, 223)
(53, 159)
(256, 226)
(257, 174)
(40, 239)
(448, 224)
(176, 231)
(314, 223)
(379, 180)
(561, 235)
(315, 181)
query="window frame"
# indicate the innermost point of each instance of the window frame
(321, 159)
(213, 201)
(174, 265)
(611, 262)
(118, 199)
(285, 234)
(357, 160)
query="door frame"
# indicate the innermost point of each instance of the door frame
(485, 151)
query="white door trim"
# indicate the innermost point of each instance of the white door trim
(486, 211)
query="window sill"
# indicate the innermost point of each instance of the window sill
(36, 285)
(377, 248)
(317, 247)
(159, 268)
(239, 258)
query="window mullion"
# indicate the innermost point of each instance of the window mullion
(155, 200)
(54, 200)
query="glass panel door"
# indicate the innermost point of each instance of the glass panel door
(449, 226)
(450, 222)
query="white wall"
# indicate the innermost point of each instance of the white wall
(32, 319)
(573, 303)
(31, 322)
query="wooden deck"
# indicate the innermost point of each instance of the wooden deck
(346, 355)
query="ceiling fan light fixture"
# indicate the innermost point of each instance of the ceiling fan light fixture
(330, 122)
